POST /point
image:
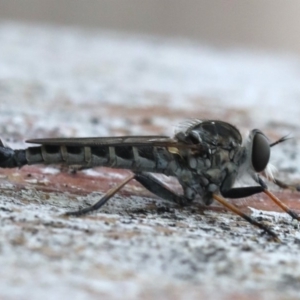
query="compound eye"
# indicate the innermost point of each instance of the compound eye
(260, 152)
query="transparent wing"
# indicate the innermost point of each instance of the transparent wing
(152, 140)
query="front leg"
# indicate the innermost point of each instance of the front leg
(283, 185)
(242, 192)
(252, 190)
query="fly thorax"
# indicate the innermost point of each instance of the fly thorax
(198, 164)
(224, 168)
(220, 157)
(219, 160)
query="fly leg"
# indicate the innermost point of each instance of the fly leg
(246, 217)
(102, 201)
(284, 207)
(156, 187)
(283, 185)
(248, 191)
(241, 193)
(146, 180)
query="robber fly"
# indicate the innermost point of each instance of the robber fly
(207, 158)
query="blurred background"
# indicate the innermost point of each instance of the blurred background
(268, 24)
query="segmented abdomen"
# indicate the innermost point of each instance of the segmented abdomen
(146, 158)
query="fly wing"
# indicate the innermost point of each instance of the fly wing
(152, 140)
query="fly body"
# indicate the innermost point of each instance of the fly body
(206, 158)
